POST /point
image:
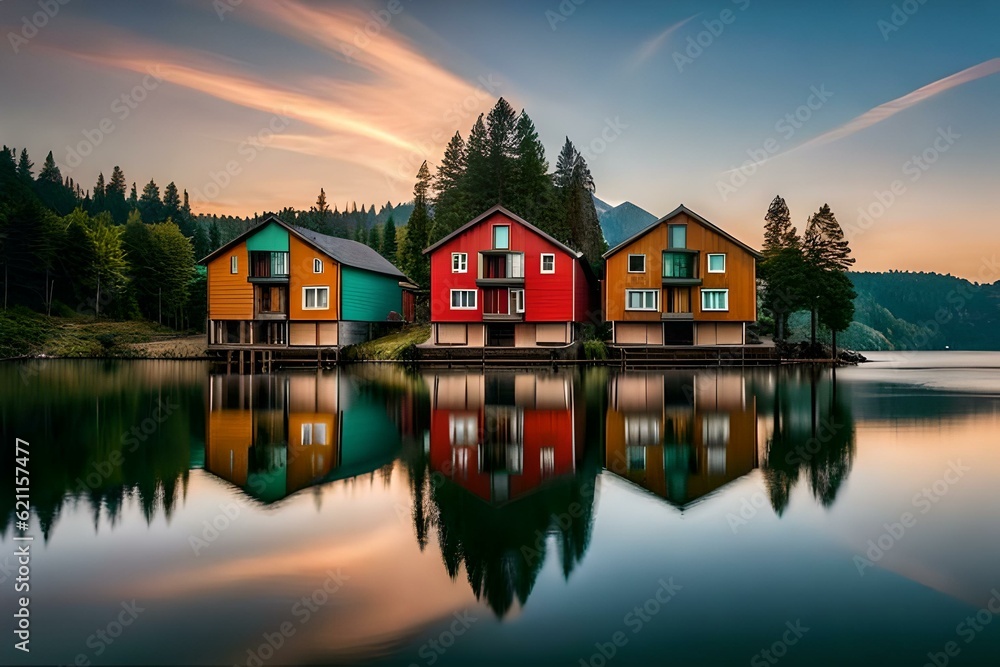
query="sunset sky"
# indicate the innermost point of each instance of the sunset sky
(667, 100)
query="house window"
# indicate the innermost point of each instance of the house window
(517, 298)
(234, 264)
(459, 262)
(715, 299)
(314, 434)
(678, 236)
(717, 263)
(463, 299)
(463, 430)
(636, 263)
(315, 298)
(678, 265)
(501, 237)
(548, 263)
(636, 458)
(641, 299)
(317, 265)
(547, 456)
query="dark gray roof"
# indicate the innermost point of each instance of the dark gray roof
(350, 252)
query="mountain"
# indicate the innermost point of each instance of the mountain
(917, 311)
(622, 221)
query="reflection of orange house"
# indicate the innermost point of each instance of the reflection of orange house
(272, 435)
(501, 436)
(681, 436)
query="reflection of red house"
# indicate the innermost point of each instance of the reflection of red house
(502, 436)
(500, 281)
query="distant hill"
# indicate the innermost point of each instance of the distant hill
(917, 311)
(622, 221)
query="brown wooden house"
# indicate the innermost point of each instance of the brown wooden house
(680, 281)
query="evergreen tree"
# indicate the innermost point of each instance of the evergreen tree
(214, 236)
(532, 194)
(824, 242)
(53, 190)
(117, 183)
(50, 172)
(171, 202)
(24, 167)
(480, 194)
(451, 203)
(783, 269)
(828, 256)
(580, 228)
(374, 240)
(389, 247)
(201, 242)
(501, 143)
(778, 230)
(99, 203)
(150, 206)
(133, 198)
(415, 263)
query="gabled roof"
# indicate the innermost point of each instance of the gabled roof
(500, 209)
(673, 214)
(345, 251)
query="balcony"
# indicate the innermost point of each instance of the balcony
(680, 268)
(268, 267)
(503, 305)
(501, 269)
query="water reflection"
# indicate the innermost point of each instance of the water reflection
(508, 467)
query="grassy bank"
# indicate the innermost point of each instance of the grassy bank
(399, 346)
(26, 333)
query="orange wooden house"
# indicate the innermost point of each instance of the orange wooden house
(283, 286)
(680, 281)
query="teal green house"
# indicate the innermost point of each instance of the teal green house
(284, 286)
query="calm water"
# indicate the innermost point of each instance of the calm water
(369, 515)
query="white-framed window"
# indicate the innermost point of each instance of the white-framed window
(234, 264)
(463, 299)
(459, 262)
(279, 263)
(517, 297)
(548, 262)
(314, 434)
(463, 430)
(317, 265)
(315, 298)
(501, 237)
(636, 263)
(547, 460)
(717, 263)
(642, 430)
(715, 299)
(642, 299)
(678, 236)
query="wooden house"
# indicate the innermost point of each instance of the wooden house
(282, 286)
(680, 281)
(499, 281)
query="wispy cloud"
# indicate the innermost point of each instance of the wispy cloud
(369, 107)
(651, 47)
(889, 109)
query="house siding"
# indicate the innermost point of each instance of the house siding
(367, 296)
(230, 296)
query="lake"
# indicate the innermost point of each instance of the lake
(448, 517)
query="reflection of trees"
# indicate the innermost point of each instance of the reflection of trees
(503, 548)
(85, 425)
(813, 436)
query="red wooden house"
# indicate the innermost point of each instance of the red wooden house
(499, 281)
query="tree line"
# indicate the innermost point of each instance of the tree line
(502, 162)
(807, 272)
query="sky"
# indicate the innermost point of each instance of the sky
(885, 110)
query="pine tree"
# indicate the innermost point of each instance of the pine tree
(117, 183)
(532, 195)
(374, 240)
(100, 194)
(214, 236)
(451, 203)
(24, 167)
(149, 204)
(480, 194)
(501, 143)
(171, 202)
(50, 172)
(580, 228)
(824, 241)
(828, 256)
(415, 264)
(389, 248)
(778, 230)
(133, 197)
